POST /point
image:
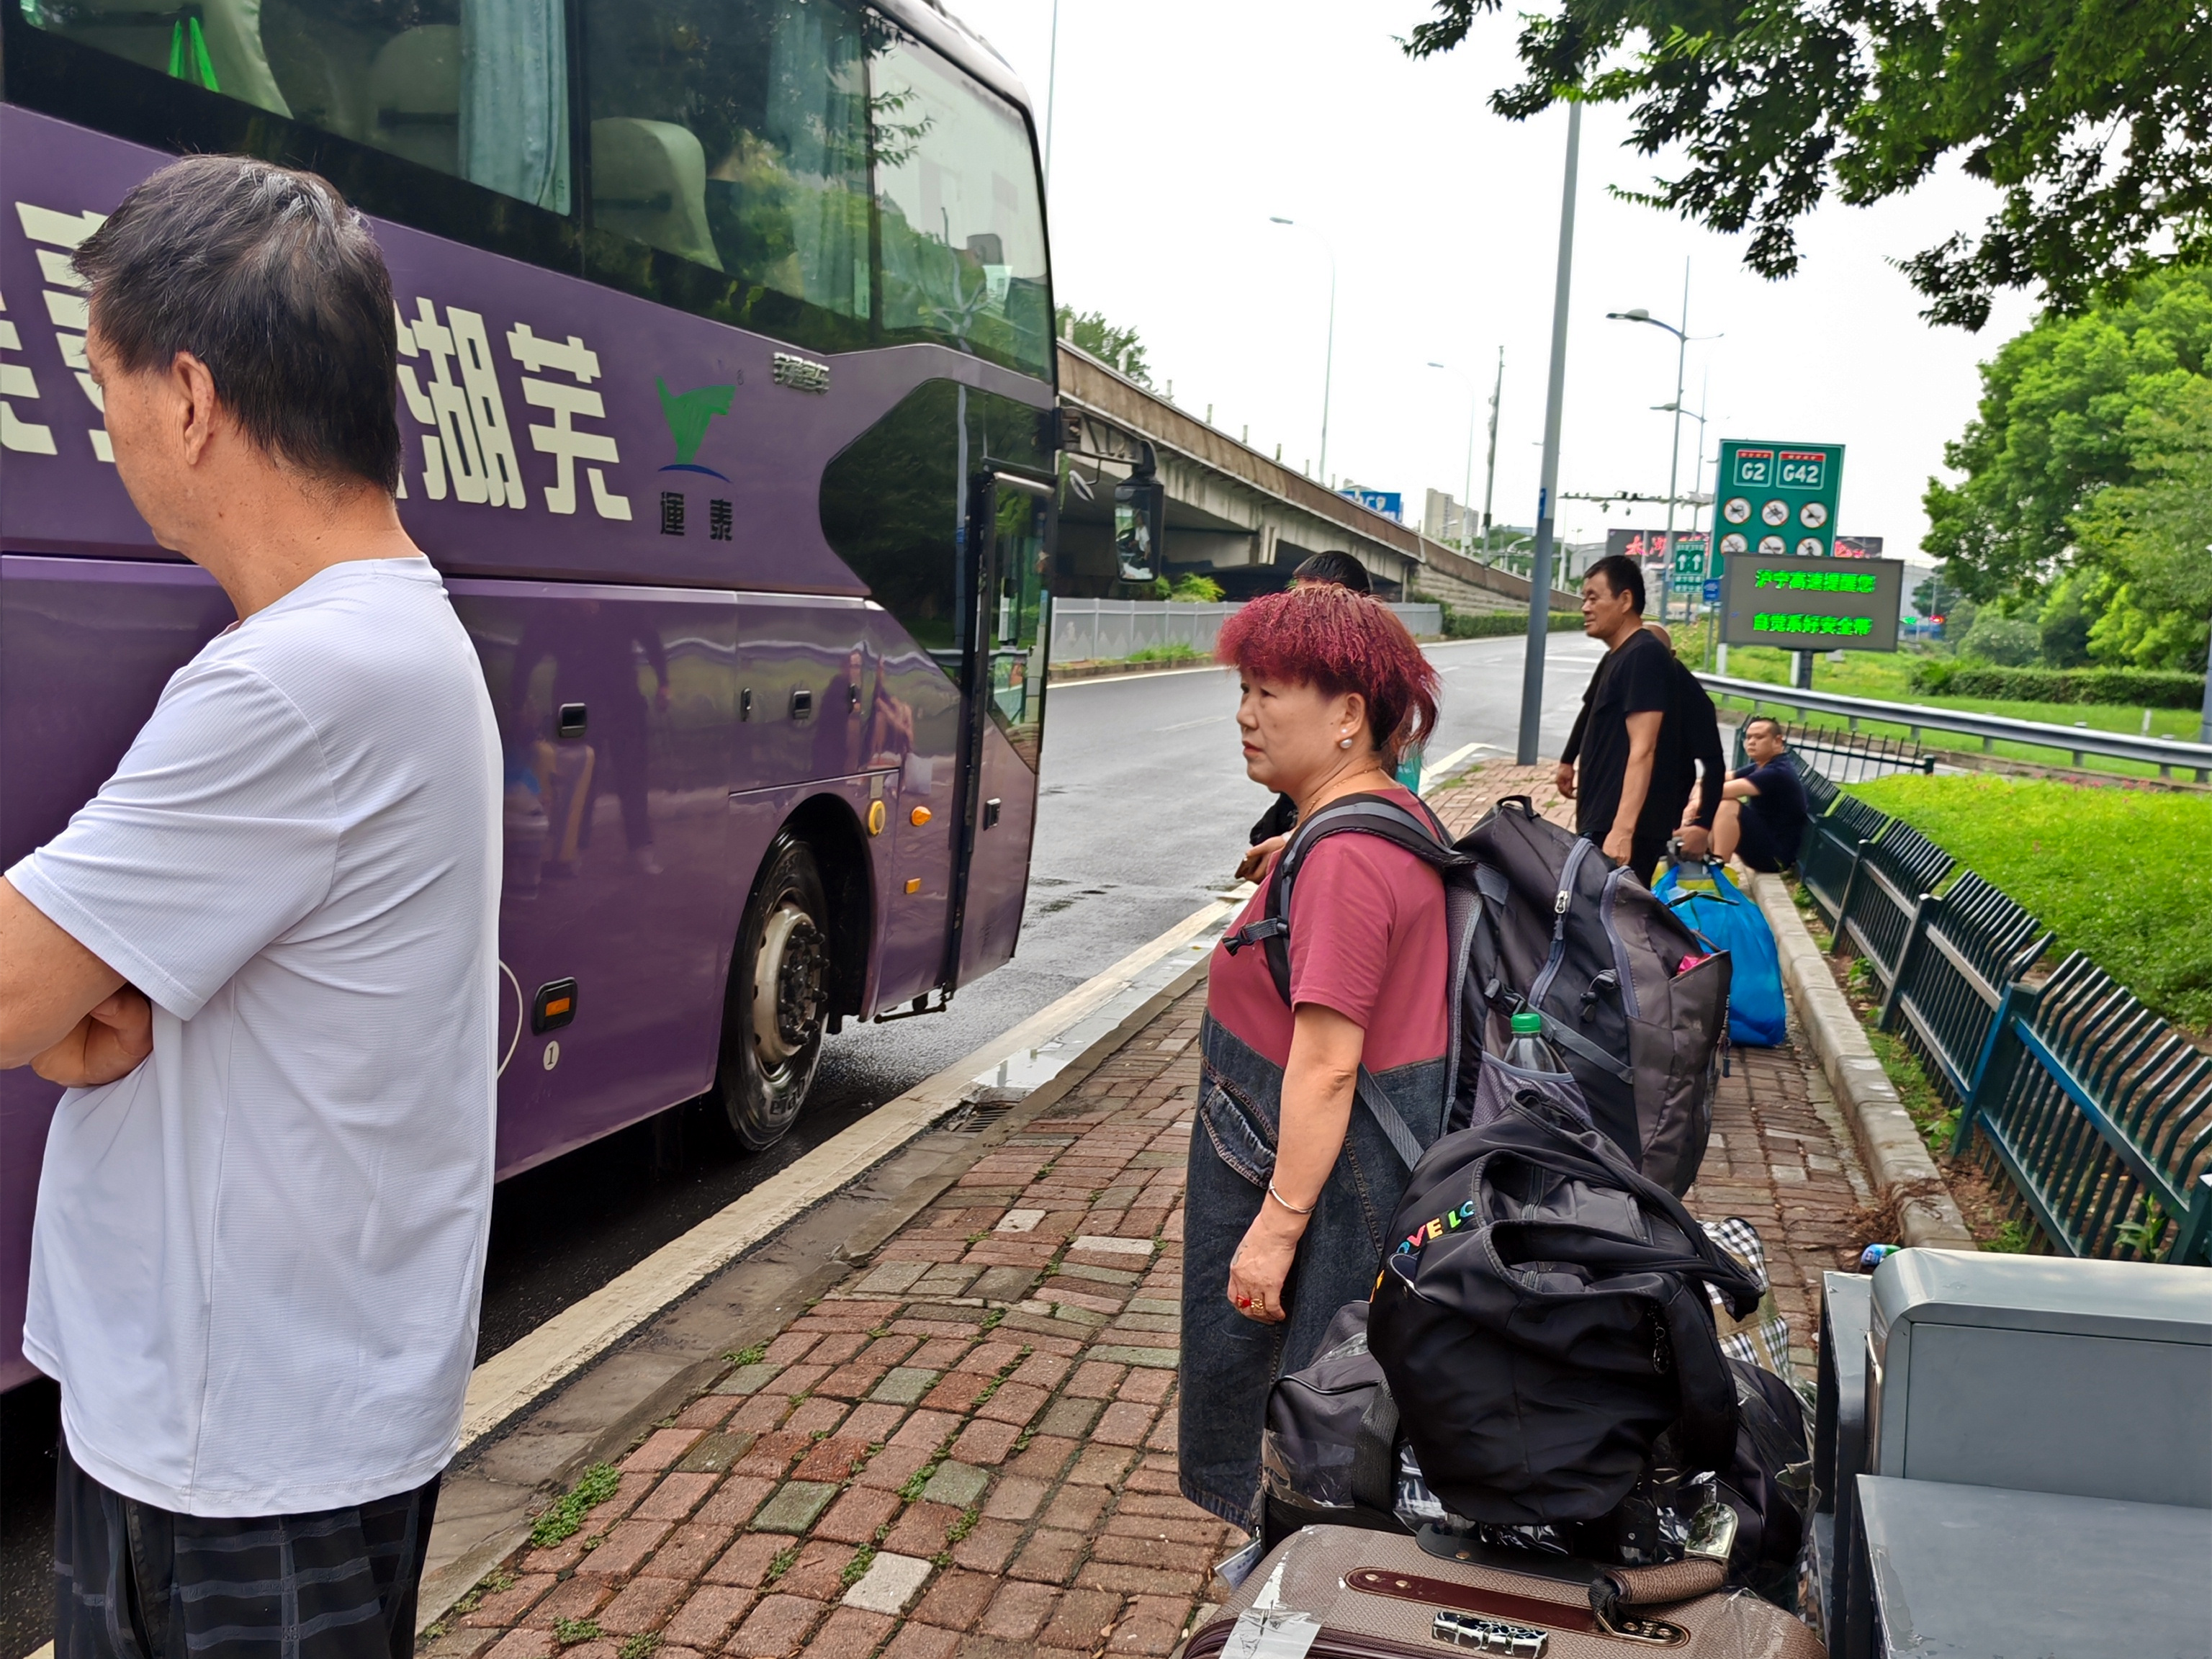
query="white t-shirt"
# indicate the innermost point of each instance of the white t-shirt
(256, 1260)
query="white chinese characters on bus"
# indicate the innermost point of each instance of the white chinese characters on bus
(25, 437)
(567, 403)
(59, 234)
(472, 446)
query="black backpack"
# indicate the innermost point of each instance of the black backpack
(1634, 1002)
(1545, 1319)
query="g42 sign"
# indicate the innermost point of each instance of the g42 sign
(1778, 499)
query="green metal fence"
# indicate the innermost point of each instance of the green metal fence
(2095, 1110)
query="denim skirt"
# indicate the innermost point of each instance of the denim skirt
(1229, 1362)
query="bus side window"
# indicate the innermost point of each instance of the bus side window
(963, 255)
(475, 89)
(734, 134)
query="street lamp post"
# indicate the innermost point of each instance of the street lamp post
(1697, 477)
(1555, 389)
(1675, 452)
(1329, 358)
(1490, 468)
(1467, 487)
(1051, 88)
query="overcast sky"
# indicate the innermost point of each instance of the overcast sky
(1181, 127)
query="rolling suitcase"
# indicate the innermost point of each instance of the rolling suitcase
(1342, 1593)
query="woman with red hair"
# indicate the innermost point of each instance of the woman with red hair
(1290, 1188)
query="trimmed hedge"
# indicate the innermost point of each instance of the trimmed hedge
(2125, 688)
(1494, 624)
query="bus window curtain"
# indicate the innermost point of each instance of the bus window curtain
(514, 98)
(816, 116)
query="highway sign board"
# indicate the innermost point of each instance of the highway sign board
(1390, 503)
(1777, 499)
(1712, 590)
(1689, 574)
(1812, 604)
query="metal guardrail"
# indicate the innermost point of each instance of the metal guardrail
(2078, 740)
(2097, 1111)
(1962, 948)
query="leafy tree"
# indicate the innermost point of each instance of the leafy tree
(2007, 641)
(2153, 539)
(2053, 429)
(2093, 119)
(1118, 347)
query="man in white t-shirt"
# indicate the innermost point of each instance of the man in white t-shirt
(262, 957)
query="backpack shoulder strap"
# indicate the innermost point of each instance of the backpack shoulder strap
(1422, 835)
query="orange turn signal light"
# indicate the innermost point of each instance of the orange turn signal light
(919, 817)
(913, 885)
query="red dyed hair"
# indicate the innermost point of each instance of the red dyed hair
(1337, 641)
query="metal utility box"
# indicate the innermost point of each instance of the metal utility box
(2042, 1374)
(1838, 1455)
(1973, 1572)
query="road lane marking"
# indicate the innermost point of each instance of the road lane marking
(517, 1376)
(1431, 774)
(1185, 725)
(1057, 686)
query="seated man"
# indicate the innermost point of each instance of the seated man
(1762, 813)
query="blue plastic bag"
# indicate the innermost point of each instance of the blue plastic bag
(1704, 898)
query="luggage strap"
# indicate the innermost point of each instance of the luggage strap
(1375, 1454)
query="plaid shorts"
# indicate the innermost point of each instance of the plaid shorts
(135, 1581)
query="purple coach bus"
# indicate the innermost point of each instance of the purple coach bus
(726, 382)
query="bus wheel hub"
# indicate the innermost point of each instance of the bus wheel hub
(787, 984)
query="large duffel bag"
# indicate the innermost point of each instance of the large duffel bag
(1338, 1593)
(1545, 1319)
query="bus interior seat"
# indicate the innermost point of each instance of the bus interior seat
(231, 30)
(649, 183)
(415, 88)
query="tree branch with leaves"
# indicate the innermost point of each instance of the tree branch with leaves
(2092, 118)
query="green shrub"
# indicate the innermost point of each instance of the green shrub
(2124, 687)
(1174, 651)
(1498, 624)
(1197, 590)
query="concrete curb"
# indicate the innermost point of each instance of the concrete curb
(1896, 1157)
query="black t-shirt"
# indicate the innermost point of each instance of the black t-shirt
(1631, 680)
(1691, 733)
(1779, 803)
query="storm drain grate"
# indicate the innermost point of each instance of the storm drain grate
(989, 1106)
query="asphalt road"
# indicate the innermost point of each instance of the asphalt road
(1145, 809)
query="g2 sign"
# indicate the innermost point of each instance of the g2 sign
(1778, 500)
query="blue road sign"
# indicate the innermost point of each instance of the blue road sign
(1712, 591)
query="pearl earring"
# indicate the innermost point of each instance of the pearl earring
(1344, 743)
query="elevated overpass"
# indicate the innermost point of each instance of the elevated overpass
(1233, 514)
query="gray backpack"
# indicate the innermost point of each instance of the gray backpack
(1634, 1002)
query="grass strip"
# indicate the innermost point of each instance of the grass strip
(2121, 874)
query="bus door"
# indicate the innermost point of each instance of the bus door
(1006, 623)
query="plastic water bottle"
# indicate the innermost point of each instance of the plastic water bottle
(1529, 1051)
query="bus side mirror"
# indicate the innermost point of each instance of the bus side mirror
(1140, 503)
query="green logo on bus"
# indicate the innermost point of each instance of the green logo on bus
(688, 415)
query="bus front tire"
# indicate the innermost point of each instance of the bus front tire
(778, 999)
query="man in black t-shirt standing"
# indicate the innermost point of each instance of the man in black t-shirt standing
(1763, 812)
(1608, 771)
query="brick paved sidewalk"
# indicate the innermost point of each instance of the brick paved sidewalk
(967, 1450)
